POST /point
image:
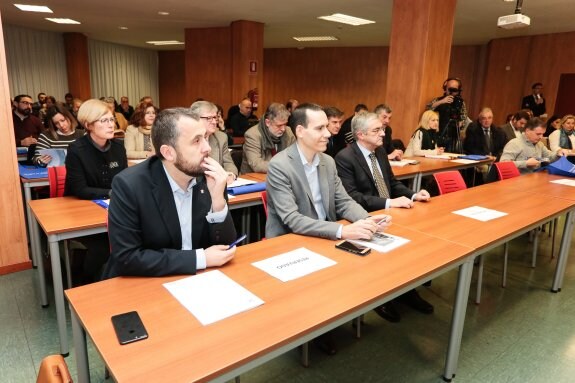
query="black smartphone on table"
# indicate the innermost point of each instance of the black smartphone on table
(353, 248)
(129, 327)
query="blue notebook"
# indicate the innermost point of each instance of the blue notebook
(31, 172)
(473, 157)
(261, 186)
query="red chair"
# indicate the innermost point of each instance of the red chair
(449, 182)
(507, 170)
(57, 181)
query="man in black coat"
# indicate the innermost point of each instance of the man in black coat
(484, 138)
(366, 175)
(169, 215)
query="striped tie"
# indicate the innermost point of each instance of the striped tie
(379, 182)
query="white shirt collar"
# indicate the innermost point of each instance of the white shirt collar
(174, 185)
(314, 162)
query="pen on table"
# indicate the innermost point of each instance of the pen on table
(384, 219)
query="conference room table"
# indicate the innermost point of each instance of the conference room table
(428, 166)
(521, 198)
(67, 218)
(180, 349)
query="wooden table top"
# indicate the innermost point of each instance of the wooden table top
(540, 183)
(430, 165)
(435, 217)
(180, 349)
(65, 214)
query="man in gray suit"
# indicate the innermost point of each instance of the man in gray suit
(218, 140)
(305, 195)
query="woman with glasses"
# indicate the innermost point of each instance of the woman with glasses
(60, 134)
(138, 142)
(91, 164)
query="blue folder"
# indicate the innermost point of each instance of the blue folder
(101, 202)
(31, 172)
(473, 157)
(261, 186)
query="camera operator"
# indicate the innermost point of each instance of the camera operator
(452, 114)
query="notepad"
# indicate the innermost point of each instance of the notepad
(212, 296)
(58, 156)
(382, 242)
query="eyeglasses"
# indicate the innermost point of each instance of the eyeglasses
(209, 118)
(104, 121)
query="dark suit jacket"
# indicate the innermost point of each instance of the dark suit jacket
(529, 102)
(474, 142)
(144, 229)
(358, 180)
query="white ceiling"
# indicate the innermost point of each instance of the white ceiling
(475, 20)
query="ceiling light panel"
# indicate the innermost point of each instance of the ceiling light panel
(315, 38)
(346, 19)
(33, 8)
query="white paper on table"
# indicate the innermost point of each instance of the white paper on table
(138, 161)
(212, 296)
(294, 264)
(403, 162)
(480, 213)
(564, 181)
(58, 156)
(464, 161)
(231, 196)
(382, 242)
(241, 182)
(439, 156)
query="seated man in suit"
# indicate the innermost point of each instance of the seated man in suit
(367, 176)
(151, 227)
(482, 137)
(334, 119)
(266, 139)
(217, 139)
(305, 195)
(516, 125)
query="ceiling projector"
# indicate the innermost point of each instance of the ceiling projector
(513, 21)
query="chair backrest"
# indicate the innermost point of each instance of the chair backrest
(264, 196)
(506, 170)
(237, 156)
(57, 180)
(449, 182)
(53, 369)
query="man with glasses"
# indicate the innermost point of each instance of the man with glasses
(217, 139)
(265, 140)
(366, 175)
(27, 127)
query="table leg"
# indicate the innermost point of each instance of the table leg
(59, 295)
(30, 220)
(35, 234)
(563, 253)
(458, 319)
(80, 348)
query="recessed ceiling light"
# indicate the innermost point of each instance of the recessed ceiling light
(33, 8)
(345, 19)
(163, 13)
(167, 42)
(123, 28)
(62, 21)
(315, 38)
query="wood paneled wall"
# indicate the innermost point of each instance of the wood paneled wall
(208, 66)
(342, 77)
(13, 240)
(531, 59)
(78, 65)
(171, 82)
(346, 76)
(247, 47)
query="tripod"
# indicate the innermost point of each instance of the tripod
(450, 137)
